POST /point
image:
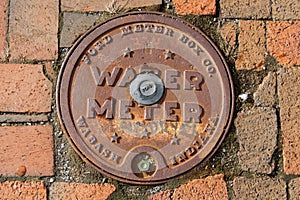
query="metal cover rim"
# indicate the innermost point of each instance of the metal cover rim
(63, 80)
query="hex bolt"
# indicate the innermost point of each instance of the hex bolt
(144, 165)
(147, 88)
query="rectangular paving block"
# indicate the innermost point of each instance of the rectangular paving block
(251, 50)
(289, 102)
(70, 191)
(24, 88)
(16, 190)
(283, 42)
(294, 189)
(212, 187)
(74, 25)
(257, 136)
(260, 188)
(26, 151)
(33, 28)
(6, 118)
(195, 7)
(252, 9)
(286, 9)
(105, 5)
(3, 27)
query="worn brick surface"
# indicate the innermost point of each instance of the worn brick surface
(251, 50)
(257, 133)
(228, 32)
(3, 27)
(245, 9)
(265, 94)
(75, 24)
(259, 188)
(294, 189)
(164, 195)
(105, 5)
(24, 88)
(212, 187)
(26, 146)
(23, 118)
(33, 27)
(289, 101)
(283, 42)
(70, 191)
(196, 7)
(286, 9)
(23, 191)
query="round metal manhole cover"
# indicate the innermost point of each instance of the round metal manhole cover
(145, 97)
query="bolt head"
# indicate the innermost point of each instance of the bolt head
(144, 166)
(147, 88)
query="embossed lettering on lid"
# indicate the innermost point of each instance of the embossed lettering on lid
(145, 97)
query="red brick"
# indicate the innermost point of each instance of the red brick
(245, 9)
(33, 27)
(289, 101)
(212, 187)
(105, 5)
(164, 195)
(259, 188)
(29, 146)
(23, 190)
(196, 7)
(3, 27)
(286, 9)
(228, 32)
(24, 88)
(70, 191)
(251, 51)
(283, 42)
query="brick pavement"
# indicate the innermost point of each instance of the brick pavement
(289, 101)
(27, 91)
(257, 131)
(264, 38)
(3, 28)
(33, 27)
(23, 190)
(283, 42)
(69, 191)
(212, 187)
(27, 150)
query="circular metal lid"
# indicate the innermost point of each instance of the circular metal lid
(145, 97)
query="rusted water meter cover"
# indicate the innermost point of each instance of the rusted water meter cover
(145, 97)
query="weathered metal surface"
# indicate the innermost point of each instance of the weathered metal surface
(145, 97)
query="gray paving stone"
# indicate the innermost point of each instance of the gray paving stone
(245, 9)
(74, 25)
(259, 189)
(286, 9)
(294, 189)
(5, 118)
(257, 136)
(265, 94)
